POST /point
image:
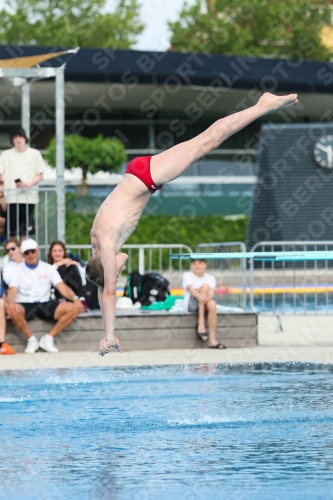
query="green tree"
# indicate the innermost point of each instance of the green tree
(70, 23)
(258, 28)
(91, 155)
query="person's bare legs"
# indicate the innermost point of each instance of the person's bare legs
(212, 320)
(64, 315)
(203, 290)
(201, 319)
(172, 163)
(2, 320)
(208, 305)
(20, 322)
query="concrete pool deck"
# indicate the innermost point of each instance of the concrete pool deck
(313, 354)
(304, 338)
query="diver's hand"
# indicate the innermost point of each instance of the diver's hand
(106, 345)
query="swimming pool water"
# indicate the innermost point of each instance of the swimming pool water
(255, 431)
(297, 304)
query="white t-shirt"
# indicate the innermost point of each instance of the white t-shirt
(190, 278)
(34, 285)
(8, 270)
(24, 166)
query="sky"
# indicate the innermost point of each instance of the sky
(155, 14)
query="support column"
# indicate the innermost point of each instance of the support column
(25, 107)
(60, 151)
(151, 134)
(141, 260)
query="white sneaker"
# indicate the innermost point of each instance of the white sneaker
(32, 345)
(47, 343)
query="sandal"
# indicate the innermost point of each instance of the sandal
(217, 346)
(202, 336)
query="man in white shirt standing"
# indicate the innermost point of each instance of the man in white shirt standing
(22, 169)
(29, 295)
(199, 292)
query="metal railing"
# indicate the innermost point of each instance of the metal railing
(36, 220)
(302, 287)
(145, 257)
(230, 273)
(273, 287)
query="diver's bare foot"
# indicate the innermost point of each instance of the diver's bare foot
(271, 102)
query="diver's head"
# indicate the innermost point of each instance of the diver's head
(95, 271)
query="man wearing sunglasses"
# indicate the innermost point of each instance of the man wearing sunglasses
(12, 249)
(29, 295)
(5, 348)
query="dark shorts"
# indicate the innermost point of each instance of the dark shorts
(21, 219)
(43, 310)
(140, 167)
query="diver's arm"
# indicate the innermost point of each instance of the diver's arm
(107, 297)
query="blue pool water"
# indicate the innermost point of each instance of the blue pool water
(294, 304)
(257, 431)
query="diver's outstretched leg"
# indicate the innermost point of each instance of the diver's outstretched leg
(170, 164)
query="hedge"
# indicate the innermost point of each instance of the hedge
(165, 229)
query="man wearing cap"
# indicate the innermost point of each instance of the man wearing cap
(29, 295)
(22, 169)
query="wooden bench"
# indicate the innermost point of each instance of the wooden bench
(140, 330)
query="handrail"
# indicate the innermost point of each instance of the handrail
(223, 244)
(295, 282)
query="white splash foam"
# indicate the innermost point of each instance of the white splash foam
(77, 378)
(205, 419)
(15, 400)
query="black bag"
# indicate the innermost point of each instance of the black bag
(147, 289)
(91, 295)
(133, 286)
(154, 288)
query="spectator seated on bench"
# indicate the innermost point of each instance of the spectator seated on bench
(199, 292)
(70, 270)
(12, 248)
(29, 295)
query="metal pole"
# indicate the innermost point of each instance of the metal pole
(60, 151)
(25, 107)
(152, 138)
(141, 260)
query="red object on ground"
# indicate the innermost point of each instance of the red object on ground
(6, 349)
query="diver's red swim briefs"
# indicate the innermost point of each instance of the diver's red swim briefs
(140, 167)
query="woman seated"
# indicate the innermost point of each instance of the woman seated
(70, 271)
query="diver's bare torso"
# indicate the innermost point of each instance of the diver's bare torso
(118, 216)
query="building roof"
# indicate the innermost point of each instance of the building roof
(172, 68)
